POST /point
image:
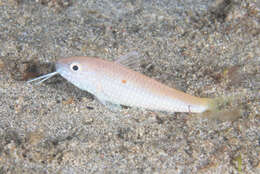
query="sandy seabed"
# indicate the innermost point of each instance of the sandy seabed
(205, 48)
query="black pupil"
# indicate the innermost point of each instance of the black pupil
(75, 67)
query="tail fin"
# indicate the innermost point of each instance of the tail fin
(218, 109)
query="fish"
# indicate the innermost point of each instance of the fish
(116, 84)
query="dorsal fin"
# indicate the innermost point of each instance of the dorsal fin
(131, 60)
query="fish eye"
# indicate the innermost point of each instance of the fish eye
(74, 67)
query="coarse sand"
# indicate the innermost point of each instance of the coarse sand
(205, 48)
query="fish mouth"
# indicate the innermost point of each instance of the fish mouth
(59, 66)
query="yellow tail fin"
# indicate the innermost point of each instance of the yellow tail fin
(221, 108)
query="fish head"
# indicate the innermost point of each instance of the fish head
(77, 70)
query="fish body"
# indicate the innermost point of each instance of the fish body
(115, 83)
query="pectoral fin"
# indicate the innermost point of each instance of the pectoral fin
(111, 106)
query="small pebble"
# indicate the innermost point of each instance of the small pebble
(1, 65)
(68, 101)
(35, 137)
